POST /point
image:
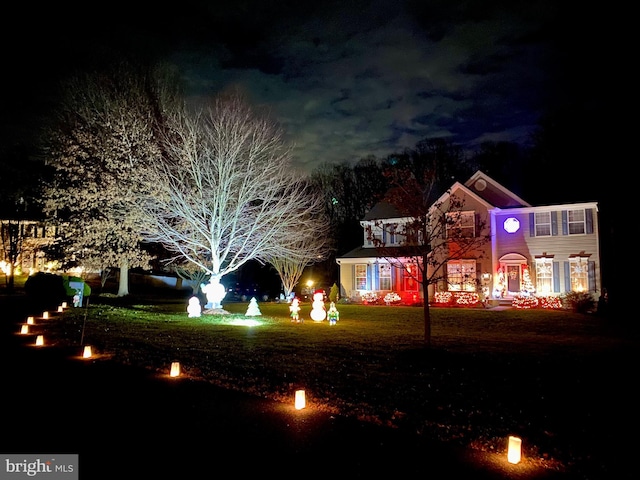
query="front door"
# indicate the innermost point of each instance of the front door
(513, 278)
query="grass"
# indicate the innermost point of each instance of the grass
(489, 373)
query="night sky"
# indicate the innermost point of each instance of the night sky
(345, 79)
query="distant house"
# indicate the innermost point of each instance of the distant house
(541, 251)
(32, 236)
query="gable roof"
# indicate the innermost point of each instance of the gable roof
(382, 209)
(493, 192)
(485, 189)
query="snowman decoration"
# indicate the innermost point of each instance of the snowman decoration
(194, 309)
(318, 312)
(215, 292)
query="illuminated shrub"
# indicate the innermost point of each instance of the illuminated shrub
(370, 298)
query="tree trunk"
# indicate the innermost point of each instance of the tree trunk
(427, 321)
(425, 303)
(123, 285)
(11, 276)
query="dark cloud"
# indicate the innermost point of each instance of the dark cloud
(345, 79)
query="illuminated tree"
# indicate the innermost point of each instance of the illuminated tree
(103, 138)
(225, 192)
(432, 235)
(313, 243)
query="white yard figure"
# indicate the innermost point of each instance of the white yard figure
(215, 292)
(318, 312)
(253, 310)
(295, 310)
(333, 315)
(194, 309)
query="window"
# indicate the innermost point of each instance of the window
(361, 276)
(543, 224)
(374, 235)
(461, 224)
(544, 275)
(461, 275)
(579, 274)
(576, 219)
(413, 234)
(384, 271)
(393, 238)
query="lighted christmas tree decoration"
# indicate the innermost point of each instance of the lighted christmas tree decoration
(194, 309)
(253, 310)
(318, 311)
(527, 284)
(294, 308)
(332, 314)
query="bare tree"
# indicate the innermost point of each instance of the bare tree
(431, 233)
(313, 245)
(225, 192)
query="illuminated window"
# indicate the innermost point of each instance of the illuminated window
(384, 272)
(543, 224)
(576, 223)
(579, 272)
(461, 224)
(361, 276)
(544, 275)
(461, 275)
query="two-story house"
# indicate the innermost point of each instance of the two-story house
(543, 251)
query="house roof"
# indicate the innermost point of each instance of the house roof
(382, 209)
(493, 192)
(480, 185)
(360, 252)
(372, 252)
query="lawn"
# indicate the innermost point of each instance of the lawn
(557, 379)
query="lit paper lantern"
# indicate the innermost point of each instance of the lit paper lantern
(175, 369)
(515, 450)
(60, 309)
(39, 340)
(86, 352)
(25, 329)
(300, 402)
(30, 320)
(64, 304)
(45, 314)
